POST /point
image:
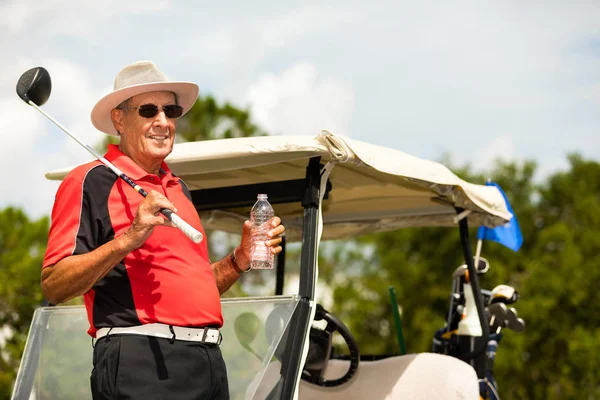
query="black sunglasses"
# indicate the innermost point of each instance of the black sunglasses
(150, 110)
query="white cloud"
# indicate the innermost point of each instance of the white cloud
(298, 101)
(73, 97)
(445, 75)
(20, 132)
(36, 145)
(254, 38)
(68, 17)
(490, 149)
(16, 13)
(237, 47)
(282, 29)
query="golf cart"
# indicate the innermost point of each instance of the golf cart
(326, 187)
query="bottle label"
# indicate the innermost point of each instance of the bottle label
(260, 252)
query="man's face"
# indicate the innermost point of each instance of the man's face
(147, 140)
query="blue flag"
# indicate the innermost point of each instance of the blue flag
(508, 234)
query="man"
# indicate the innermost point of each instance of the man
(151, 294)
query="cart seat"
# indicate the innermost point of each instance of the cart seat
(414, 376)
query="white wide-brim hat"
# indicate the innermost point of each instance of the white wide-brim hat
(137, 78)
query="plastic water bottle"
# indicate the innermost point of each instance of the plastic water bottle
(261, 216)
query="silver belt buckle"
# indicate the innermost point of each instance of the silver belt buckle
(210, 331)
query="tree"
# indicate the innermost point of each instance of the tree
(208, 120)
(559, 286)
(22, 247)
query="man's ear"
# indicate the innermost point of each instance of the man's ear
(117, 119)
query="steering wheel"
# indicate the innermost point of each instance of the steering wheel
(320, 349)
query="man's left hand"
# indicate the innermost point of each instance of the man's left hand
(277, 229)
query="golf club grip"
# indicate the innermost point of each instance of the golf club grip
(186, 228)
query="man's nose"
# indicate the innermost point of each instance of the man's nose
(161, 119)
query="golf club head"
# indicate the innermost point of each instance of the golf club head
(517, 325)
(504, 294)
(246, 327)
(35, 86)
(513, 322)
(498, 310)
(520, 325)
(460, 271)
(482, 267)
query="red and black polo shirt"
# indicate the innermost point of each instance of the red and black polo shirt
(167, 280)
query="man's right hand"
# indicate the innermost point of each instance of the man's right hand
(146, 218)
(77, 274)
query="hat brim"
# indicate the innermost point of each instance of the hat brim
(187, 94)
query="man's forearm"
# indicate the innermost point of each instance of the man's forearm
(75, 275)
(225, 272)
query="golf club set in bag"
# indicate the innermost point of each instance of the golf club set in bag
(462, 333)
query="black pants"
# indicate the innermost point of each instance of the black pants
(147, 368)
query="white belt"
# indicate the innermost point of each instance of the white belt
(202, 335)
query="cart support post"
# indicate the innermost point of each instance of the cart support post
(481, 342)
(299, 324)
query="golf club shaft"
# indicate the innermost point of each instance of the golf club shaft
(186, 228)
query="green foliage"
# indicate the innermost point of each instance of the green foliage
(560, 298)
(208, 120)
(103, 145)
(22, 247)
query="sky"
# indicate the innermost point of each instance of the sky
(478, 80)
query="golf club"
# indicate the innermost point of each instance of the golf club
(246, 327)
(513, 321)
(34, 88)
(517, 325)
(505, 294)
(482, 267)
(459, 273)
(497, 313)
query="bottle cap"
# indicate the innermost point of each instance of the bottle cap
(262, 196)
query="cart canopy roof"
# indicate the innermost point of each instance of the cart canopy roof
(373, 188)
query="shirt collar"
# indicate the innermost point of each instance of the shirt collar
(130, 168)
